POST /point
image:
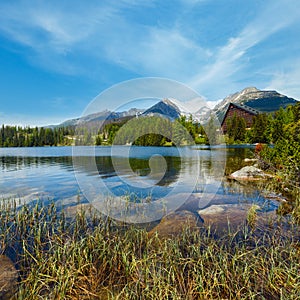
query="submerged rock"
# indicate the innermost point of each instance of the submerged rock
(220, 216)
(212, 210)
(249, 173)
(174, 223)
(8, 278)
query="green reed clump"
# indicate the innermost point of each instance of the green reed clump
(90, 257)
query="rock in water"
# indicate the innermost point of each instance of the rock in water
(219, 217)
(249, 173)
(174, 223)
(212, 210)
(8, 278)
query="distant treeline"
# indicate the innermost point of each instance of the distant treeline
(143, 131)
(16, 136)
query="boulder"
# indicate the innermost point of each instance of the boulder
(218, 217)
(212, 210)
(234, 216)
(249, 173)
(174, 223)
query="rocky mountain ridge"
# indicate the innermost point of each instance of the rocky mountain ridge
(165, 107)
(101, 116)
(264, 101)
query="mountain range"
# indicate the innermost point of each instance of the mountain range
(264, 101)
(105, 115)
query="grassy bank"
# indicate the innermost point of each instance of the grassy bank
(89, 257)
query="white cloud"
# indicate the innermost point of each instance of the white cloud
(287, 81)
(157, 52)
(64, 36)
(221, 74)
(53, 31)
(53, 23)
(56, 34)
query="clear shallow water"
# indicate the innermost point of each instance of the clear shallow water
(47, 173)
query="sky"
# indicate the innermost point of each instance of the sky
(56, 56)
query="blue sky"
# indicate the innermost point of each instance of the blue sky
(56, 56)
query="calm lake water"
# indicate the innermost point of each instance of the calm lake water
(47, 173)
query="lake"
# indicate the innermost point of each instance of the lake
(48, 174)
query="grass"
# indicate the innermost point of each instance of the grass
(90, 257)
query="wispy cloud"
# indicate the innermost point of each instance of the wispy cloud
(286, 81)
(54, 31)
(76, 36)
(158, 52)
(229, 58)
(59, 25)
(56, 34)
